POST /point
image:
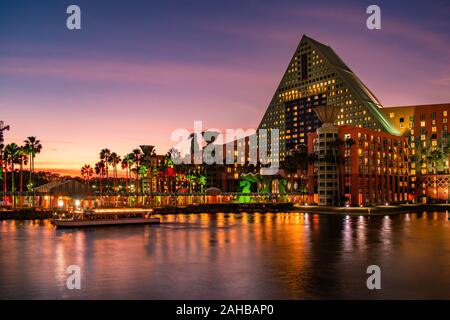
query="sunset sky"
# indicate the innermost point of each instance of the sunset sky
(140, 69)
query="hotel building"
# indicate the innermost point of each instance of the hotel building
(365, 167)
(317, 76)
(389, 157)
(427, 129)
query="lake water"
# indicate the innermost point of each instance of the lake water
(231, 256)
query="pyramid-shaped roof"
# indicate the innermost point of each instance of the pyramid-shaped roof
(346, 75)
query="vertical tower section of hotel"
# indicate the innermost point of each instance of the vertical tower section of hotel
(316, 76)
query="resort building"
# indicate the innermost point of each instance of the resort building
(361, 153)
(316, 76)
(237, 160)
(65, 195)
(427, 130)
(371, 165)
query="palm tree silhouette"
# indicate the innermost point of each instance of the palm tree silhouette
(127, 163)
(33, 147)
(137, 163)
(114, 160)
(12, 156)
(87, 172)
(148, 152)
(100, 171)
(23, 161)
(104, 156)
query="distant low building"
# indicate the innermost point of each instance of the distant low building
(64, 195)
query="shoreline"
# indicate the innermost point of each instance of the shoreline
(381, 210)
(257, 208)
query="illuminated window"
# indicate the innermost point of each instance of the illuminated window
(444, 113)
(391, 115)
(422, 123)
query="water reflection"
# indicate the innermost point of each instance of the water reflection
(249, 256)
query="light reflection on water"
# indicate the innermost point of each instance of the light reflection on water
(231, 256)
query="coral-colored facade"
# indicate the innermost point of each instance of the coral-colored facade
(427, 128)
(373, 170)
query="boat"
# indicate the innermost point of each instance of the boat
(104, 217)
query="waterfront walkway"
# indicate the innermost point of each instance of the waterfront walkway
(375, 210)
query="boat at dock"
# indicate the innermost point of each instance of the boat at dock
(104, 217)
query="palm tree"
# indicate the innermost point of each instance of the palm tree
(114, 160)
(100, 171)
(127, 163)
(87, 172)
(33, 147)
(104, 156)
(301, 160)
(290, 166)
(23, 160)
(148, 152)
(143, 174)
(12, 156)
(201, 182)
(137, 163)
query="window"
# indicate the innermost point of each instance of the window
(391, 115)
(422, 123)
